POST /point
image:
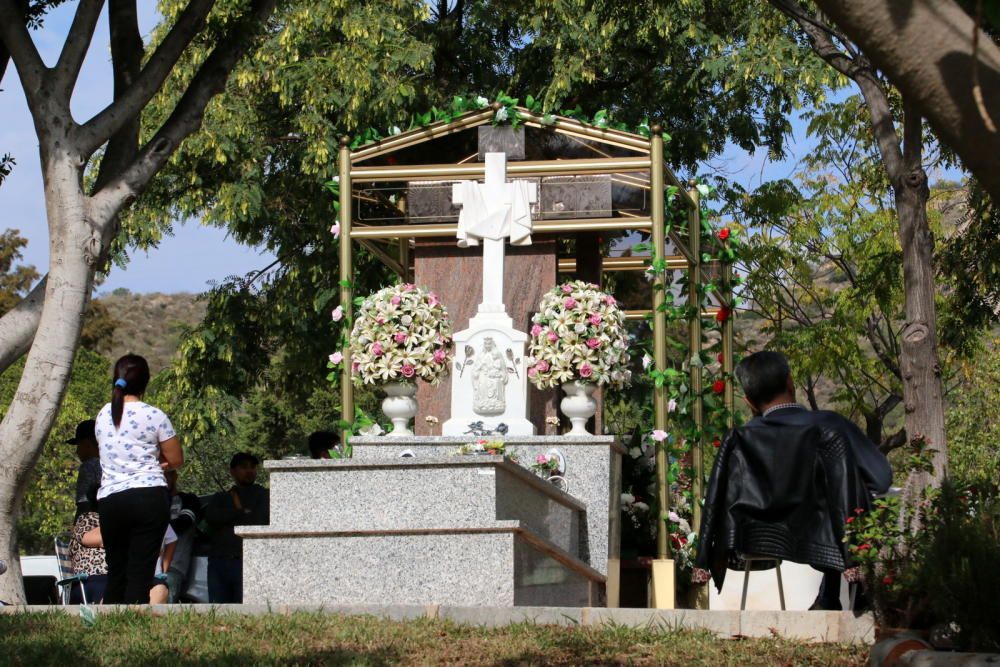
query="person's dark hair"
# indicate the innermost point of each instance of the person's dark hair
(763, 376)
(322, 441)
(239, 458)
(131, 377)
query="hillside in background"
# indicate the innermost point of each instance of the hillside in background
(150, 324)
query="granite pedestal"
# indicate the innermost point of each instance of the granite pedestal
(432, 528)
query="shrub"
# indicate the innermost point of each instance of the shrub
(935, 563)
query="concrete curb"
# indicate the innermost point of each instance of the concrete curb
(809, 626)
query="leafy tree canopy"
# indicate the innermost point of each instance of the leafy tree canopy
(712, 72)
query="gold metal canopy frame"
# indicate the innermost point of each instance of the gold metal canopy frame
(651, 160)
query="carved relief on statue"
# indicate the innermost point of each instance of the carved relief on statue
(489, 380)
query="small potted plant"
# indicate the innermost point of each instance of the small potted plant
(401, 334)
(578, 342)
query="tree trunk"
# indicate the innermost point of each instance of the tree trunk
(923, 397)
(25, 428)
(925, 48)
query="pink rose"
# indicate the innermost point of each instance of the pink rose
(541, 459)
(395, 300)
(552, 336)
(399, 337)
(377, 349)
(542, 366)
(336, 357)
(586, 371)
(409, 287)
(659, 435)
(536, 330)
(569, 303)
(532, 372)
(595, 319)
(432, 299)
(408, 370)
(609, 300)
(335, 230)
(379, 320)
(593, 343)
(567, 289)
(338, 313)
(440, 355)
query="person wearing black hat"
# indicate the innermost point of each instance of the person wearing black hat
(244, 504)
(88, 477)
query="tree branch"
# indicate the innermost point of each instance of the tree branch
(18, 325)
(14, 35)
(135, 98)
(925, 49)
(187, 115)
(860, 71)
(894, 441)
(81, 33)
(126, 60)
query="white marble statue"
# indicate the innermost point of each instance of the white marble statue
(491, 385)
(489, 381)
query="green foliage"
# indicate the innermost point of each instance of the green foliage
(824, 272)
(940, 574)
(969, 265)
(15, 281)
(972, 422)
(50, 499)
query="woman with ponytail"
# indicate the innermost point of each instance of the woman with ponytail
(137, 444)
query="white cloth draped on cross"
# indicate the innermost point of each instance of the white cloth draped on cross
(494, 211)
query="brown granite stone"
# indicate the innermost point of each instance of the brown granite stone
(456, 275)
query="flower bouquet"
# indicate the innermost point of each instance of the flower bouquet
(402, 333)
(579, 342)
(485, 446)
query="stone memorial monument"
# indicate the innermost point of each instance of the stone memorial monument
(408, 520)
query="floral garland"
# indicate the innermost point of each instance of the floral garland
(579, 334)
(505, 112)
(723, 246)
(402, 333)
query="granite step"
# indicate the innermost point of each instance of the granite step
(423, 494)
(504, 563)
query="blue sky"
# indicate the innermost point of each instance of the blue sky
(185, 262)
(196, 254)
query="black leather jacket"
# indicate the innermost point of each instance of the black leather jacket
(784, 485)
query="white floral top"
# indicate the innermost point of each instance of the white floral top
(130, 454)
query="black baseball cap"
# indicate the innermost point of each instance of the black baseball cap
(84, 431)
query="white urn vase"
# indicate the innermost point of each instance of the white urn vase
(400, 406)
(578, 405)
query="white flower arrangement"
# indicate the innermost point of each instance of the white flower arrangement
(578, 334)
(401, 333)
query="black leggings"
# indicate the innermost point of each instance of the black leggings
(133, 523)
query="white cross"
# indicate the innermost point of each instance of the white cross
(494, 211)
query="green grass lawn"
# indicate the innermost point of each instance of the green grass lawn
(131, 638)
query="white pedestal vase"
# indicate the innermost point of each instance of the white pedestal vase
(400, 407)
(578, 405)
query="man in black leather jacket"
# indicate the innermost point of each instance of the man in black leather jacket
(784, 483)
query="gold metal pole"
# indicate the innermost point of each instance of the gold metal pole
(346, 275)
(695, 281)
(404, 259)
(663, 584)
(728, 345)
